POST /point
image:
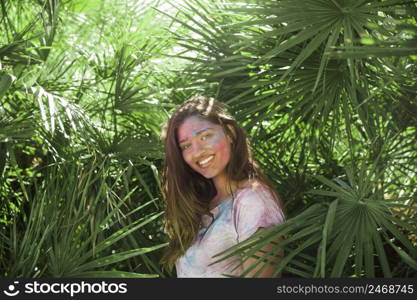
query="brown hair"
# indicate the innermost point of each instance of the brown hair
(187, 193)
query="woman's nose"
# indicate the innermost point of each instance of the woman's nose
(198, 150)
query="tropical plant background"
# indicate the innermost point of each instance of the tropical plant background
(326, 90)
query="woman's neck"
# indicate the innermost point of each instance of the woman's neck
(224, 189)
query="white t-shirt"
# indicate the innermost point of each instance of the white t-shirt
(235, 220)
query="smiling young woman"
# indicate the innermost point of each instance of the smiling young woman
(215, 193)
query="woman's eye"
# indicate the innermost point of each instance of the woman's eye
(185, 147)
(204, 137)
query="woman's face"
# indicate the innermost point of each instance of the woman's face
(204, 146)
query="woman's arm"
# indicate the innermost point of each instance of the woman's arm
(268, 271)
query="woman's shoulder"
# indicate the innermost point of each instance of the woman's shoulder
(252, 185)
(254, 192)
(255, 206)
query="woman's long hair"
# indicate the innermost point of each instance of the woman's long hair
(187, 193)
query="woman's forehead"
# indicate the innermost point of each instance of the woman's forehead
(192, 125)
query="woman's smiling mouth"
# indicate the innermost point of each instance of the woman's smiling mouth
(205, 162)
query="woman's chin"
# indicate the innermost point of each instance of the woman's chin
(207, 175)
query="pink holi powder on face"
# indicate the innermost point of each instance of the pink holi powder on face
(199, 140)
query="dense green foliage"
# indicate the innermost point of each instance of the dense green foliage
(326, 90)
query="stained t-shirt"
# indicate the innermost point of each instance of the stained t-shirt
(235, 220)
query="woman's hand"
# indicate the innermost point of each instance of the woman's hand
(270, 270)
